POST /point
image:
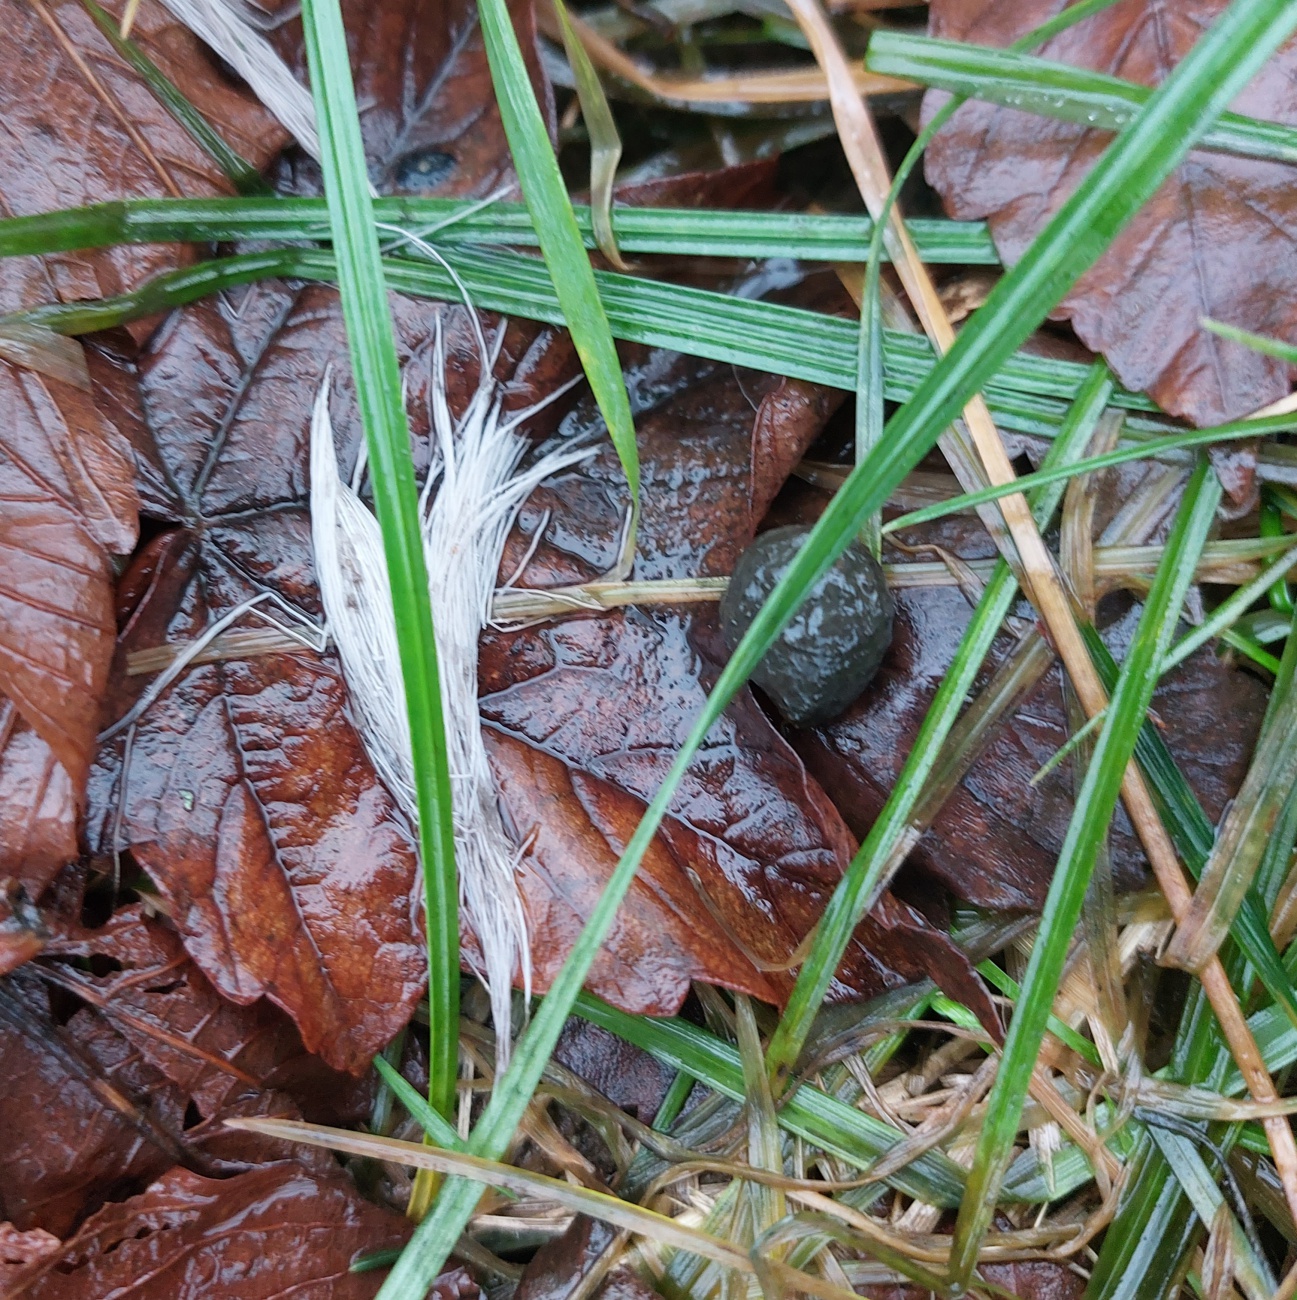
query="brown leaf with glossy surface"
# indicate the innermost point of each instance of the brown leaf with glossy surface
(996, 840)
(132, 1061)
(427, 112)
(92, 1139)
(1218, 239)
(23, 932)
(152, 993)
(1027, 1279)
(277, 1231)
(559, 1267)
(20, 1252)
(245, 791)
(67, 483)
(82, 127)
(585, 714)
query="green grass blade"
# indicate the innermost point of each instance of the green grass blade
(699, 232)
(1257, 342)
(763, 335)
(434, 1123)
(242, 174)
(1085, 835)
(808, 1112)
(1123, 179)
(378, 395)
(1056, 90)
(865, 878)
(560, 241)
(1227, 876)
(1234, 431)
(1195, 837)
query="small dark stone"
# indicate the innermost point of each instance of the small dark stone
(422, 171)
(826, 656)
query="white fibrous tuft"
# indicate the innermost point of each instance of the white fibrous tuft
(224, 25)
(468, 504)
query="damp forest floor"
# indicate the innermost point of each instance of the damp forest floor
(388, 392)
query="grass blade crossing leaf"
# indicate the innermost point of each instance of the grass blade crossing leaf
(1086, 833)
(378, 394)
(1058, 90)
(560, 240)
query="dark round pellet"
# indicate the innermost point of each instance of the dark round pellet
(832, 647)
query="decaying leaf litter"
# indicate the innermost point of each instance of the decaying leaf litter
(212, 897)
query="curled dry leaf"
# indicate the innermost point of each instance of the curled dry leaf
(276, 1231)
(585, 714)
(1218, 239)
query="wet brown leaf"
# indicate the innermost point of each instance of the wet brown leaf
(277, 1231)
(996, 840)
(66, 480)
(556, 1270)
(1218, 239)
(21, 1251)
(244, 791)
(158, 1000)
(81, 127)
(584, 715)
(23, 932)
(1028, 1280)
(132, 1061)
(430, 121)
(91, 1139)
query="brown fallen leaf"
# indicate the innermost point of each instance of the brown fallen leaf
(1219, 238)
(276, 1231)
(430, 122)
(560, 1266)
(66, 479)
(82, 127)
(133, 1061)
(1028, 1280)
(584, 715)
(245, 791)
(135, 973)
(23, 932)
(21, 1251)
(92, 1139)
(996, 840)
(248, 795)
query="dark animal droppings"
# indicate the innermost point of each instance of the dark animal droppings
(826, 656)
(422, 171)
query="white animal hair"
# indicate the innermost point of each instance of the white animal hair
(226, 27)
(466, 508)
